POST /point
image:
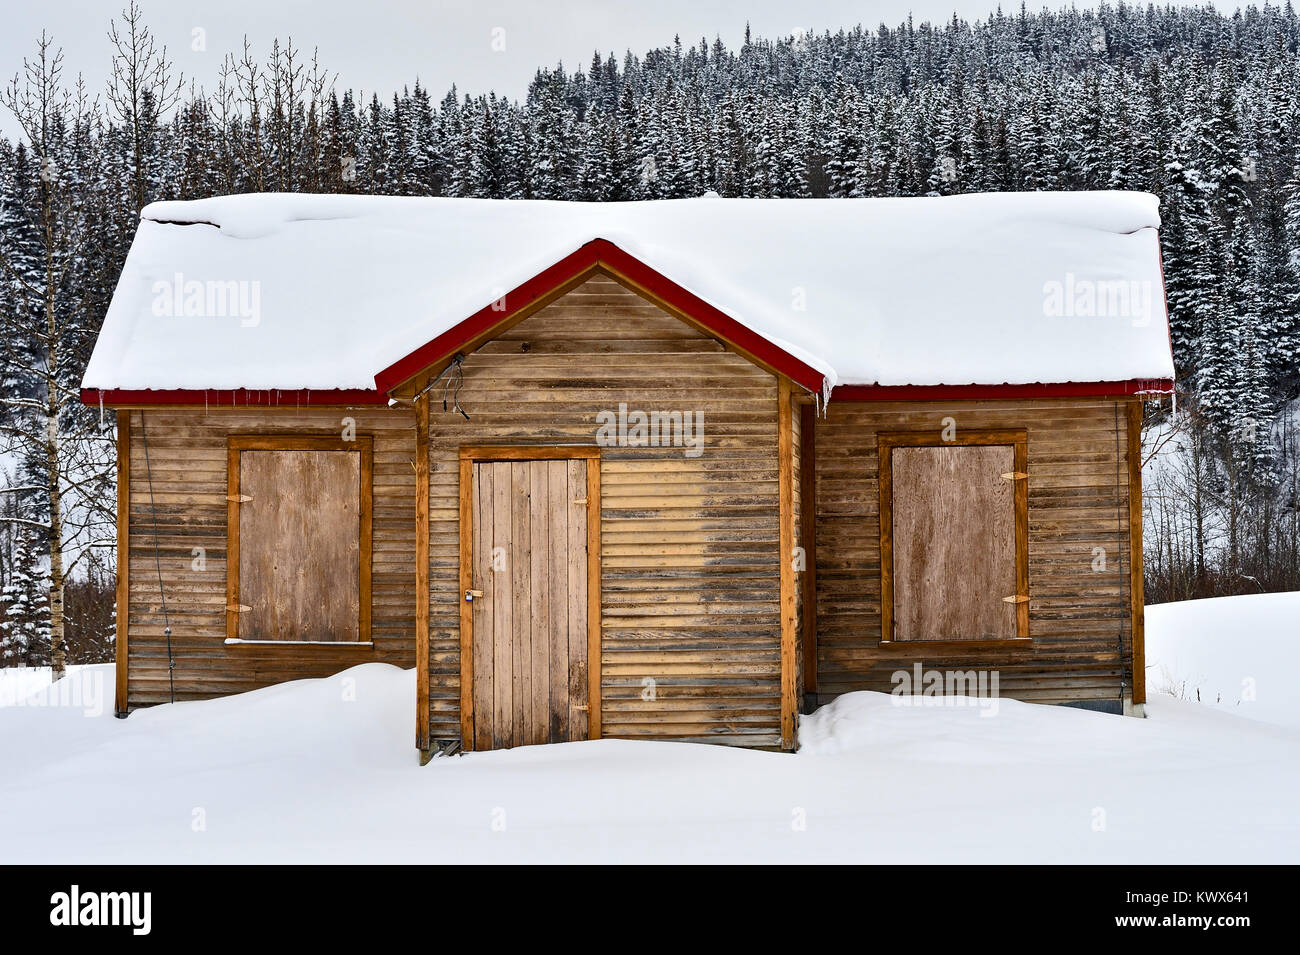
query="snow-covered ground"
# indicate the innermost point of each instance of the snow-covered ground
(18, 683)
(1237, 654)
(325, 771)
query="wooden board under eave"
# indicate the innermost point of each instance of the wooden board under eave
(186, 486)
(1077, 500)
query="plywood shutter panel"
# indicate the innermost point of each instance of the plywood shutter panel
(954, 542)
(300, 545)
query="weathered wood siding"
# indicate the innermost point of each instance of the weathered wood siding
(690, 596)
(1079, 616)
(187, 458)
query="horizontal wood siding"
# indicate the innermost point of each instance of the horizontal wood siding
(690, 609)
(187, 458)
(1078, 501)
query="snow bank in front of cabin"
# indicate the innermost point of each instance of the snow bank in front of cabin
(333, 289)
(325, 771)
(18, 683)
(1238, 654)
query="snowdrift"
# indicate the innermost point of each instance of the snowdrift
(326, 771)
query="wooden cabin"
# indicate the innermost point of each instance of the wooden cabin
(676, 470)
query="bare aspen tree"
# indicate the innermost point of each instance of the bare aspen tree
(269, 116)
(239, 90)
(141, 90)
(46, 332)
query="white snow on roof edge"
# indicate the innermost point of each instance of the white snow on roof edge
(868, 291)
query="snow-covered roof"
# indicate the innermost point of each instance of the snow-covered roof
(280, 291)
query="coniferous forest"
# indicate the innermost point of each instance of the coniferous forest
(1201, 108)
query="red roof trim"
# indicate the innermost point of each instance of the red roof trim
(273, 397)
(602, 252)
(1069, 389)
(606, 253)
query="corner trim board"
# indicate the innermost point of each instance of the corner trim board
(789, 615)
(123, 596)
(808, 527)
(422, 577)
(1137, 585)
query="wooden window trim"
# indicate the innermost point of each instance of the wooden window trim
(363, 444)
(886, 442)
(469, 455)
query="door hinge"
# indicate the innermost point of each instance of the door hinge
(237, 498)
(238, 608)
(1014, 475)
(579, 500)
(1016, 599)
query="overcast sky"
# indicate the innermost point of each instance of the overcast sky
(385, 44)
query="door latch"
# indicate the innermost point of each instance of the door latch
(470, 595)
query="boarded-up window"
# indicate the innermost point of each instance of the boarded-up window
(299, 563)
(953, 535)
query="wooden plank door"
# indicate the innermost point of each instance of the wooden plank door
(529, 602)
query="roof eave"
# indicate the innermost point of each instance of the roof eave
(1067, 389)
(233, 397)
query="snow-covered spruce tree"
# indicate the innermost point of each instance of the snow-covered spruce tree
(553, 158)
(24, 608)
(600, 157)
(1190, 267)
(1277, 286)
(1200, 108)
(1215, 352)
(1289, 249)
(844, 139)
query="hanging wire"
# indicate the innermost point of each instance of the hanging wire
(157, 562)
(452, 378)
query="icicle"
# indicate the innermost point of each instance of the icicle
(101, 407)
